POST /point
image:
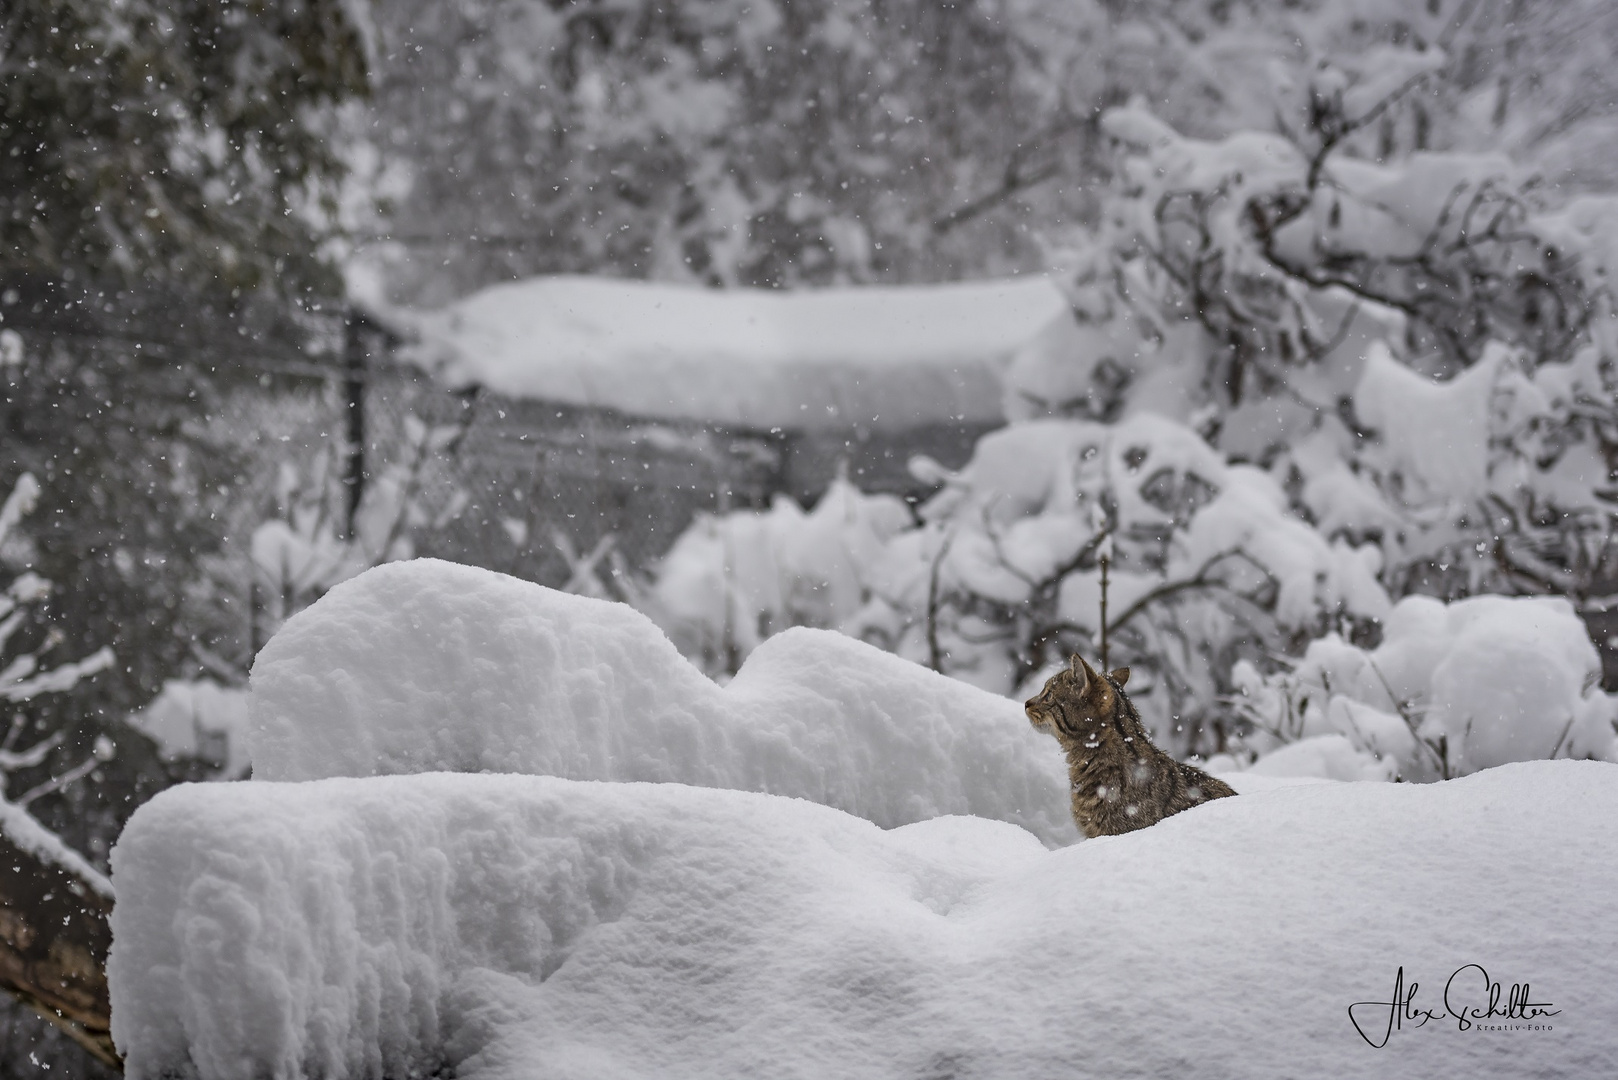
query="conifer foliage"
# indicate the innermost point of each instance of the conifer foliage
(172, 139)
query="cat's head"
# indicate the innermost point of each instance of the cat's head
(1075, 698)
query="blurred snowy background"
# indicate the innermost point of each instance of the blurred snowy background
(892, 317)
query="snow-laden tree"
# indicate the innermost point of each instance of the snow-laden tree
(163, 194)
(1295, 302)
(847, 140)
(730, 142)
(171, 139)
(28, 671)
(1329, 365)
(55, 936)
(163, 186)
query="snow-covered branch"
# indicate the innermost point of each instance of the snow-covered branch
(53, 951)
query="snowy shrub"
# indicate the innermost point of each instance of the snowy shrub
(1000, 580)
(199, 720)
(1451, 689)
(1296, 302)
(731, 580)
(1206, 563)
(303, 550)
(1492, 481)
(291, 538)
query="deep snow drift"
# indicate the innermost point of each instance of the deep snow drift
(427, 665)
(526, 927)
(516, 927)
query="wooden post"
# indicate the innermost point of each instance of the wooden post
(1105, 559)
(354, 354)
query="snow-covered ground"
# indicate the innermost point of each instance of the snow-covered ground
(527, 927)
(888, 896)
(880, 356)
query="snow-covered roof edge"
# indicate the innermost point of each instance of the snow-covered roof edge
(878, 356)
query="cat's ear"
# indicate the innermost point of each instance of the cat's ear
(1081, 665)
(1081, 670)
(1120, 675)
(1091, 685)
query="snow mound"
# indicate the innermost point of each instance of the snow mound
(511, 927)
(1328, 757)
(886, 356)
(426, 665)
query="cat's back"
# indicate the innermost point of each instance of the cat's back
(1199, 786)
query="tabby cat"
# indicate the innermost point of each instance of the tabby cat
(1121, 782)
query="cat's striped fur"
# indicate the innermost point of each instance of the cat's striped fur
(1121, 782)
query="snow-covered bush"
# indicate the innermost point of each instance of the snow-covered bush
(1001, 583)
(290, 535)
(1451, 689)
(199, 720)
(305, 547)
(1296, 300)
(732, 580)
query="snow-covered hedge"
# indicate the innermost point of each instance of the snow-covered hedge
(426, 665)
(512, 927)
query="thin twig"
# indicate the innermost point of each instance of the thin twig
(1557, 749)
(56, 783)
(1200, 580)
(1105, 561)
